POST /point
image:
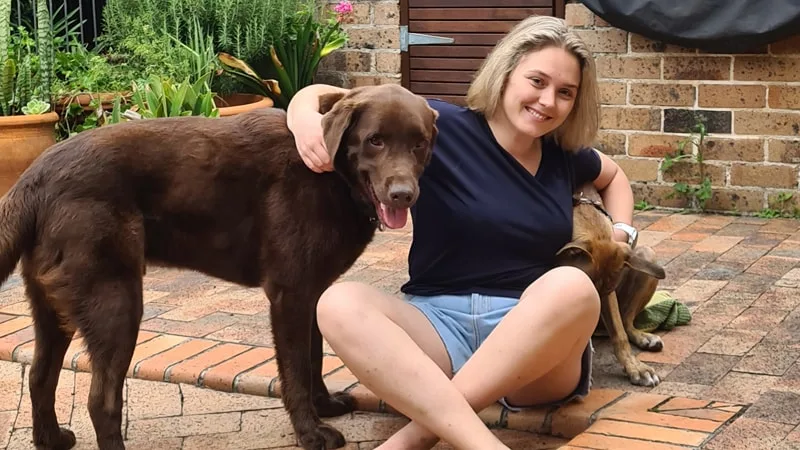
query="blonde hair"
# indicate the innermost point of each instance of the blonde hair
(532, 34)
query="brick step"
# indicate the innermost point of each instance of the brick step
(607, 418)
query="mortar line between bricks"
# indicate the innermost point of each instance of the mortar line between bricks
(139, 364)
(593, 416)
(168, 368)
(724, 425)
(14, 353)
(671, 427)
(237, 378)
(201, 376)
(640, 439)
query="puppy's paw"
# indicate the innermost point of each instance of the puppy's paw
(641, 374)
(647, 341)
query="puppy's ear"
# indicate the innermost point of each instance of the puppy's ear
(642, 265)
(575, 253)
(336, 122)
(326, 101)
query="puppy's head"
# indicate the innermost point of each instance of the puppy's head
(604, 261)
(382, 138)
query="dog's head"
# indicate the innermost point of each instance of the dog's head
(383, 138)
(605, 260)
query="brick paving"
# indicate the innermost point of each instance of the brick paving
(731, 378)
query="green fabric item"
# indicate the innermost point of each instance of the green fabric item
(662, 313)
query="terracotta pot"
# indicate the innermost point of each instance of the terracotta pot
(22, 139)
(233, 104)
(106, 100)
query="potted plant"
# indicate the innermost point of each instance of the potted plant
(294, 57)
(27, 122)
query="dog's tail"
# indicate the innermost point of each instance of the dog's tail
(17, 221)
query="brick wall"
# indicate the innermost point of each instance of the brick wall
(372, 55)
(650, 94)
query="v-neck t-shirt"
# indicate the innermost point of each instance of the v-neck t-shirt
(483, 223)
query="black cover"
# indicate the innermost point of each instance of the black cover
(720, 26)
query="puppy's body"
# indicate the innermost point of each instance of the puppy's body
(229, 197)
(625, 279)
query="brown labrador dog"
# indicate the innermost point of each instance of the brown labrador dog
(625, 278)
(229, 197)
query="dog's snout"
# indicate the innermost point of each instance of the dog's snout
(401, 195)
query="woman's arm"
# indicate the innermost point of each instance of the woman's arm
(305, 122)
(613, 186)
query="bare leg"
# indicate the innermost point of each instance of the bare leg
(525, 353)
(386, 343)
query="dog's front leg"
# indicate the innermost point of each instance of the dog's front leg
(638, 372)
(327, 405)
(292, 315)
(634, 292)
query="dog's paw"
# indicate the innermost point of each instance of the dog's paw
(641, 374)
(324, 437)
(648, 342)
(335, 405)
(65, 440)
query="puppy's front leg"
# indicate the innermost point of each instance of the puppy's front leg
(634, 292)
(638, 372)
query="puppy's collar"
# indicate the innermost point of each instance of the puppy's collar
(576, 200)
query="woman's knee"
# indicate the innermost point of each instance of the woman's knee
(340, 305)
(572, 292)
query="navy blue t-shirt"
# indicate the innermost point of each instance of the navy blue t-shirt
(483, 223)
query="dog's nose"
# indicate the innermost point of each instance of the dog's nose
(401, 195)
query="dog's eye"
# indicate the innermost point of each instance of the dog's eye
(422, 144)
(376, 141)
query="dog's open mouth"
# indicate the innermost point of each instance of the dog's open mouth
(390, 217)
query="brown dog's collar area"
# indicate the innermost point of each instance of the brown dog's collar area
(576, 200)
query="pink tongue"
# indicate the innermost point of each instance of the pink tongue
(394, 217)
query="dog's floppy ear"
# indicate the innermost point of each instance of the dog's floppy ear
(639, 264)
(575, 252)
(326, 101)
(336, 121)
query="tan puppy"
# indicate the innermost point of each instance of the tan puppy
(625, 278)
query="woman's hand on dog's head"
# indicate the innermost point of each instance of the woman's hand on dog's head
(310, 142)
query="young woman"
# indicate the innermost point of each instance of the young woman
(486, 316)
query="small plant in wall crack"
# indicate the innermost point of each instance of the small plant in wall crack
(781, 207)
(690, 149)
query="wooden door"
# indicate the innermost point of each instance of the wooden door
(444, 70)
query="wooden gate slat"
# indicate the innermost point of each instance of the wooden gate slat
(462, 76)
(460, 26)
(478, 3)
(449, 51)
(489, 13)
(439, 88)
(454, 99)
(445, 63)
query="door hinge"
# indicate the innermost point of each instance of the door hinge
(407, 39)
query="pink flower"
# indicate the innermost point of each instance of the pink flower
(343, 8)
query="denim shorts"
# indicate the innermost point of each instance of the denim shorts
(464, 321)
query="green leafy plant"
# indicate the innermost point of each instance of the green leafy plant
(164, 98)
(781, 208)
(147, 34)
(294, 59)
(27, 61)
(643, 205)
(690, 149)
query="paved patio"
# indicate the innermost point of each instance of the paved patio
(731, 378)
